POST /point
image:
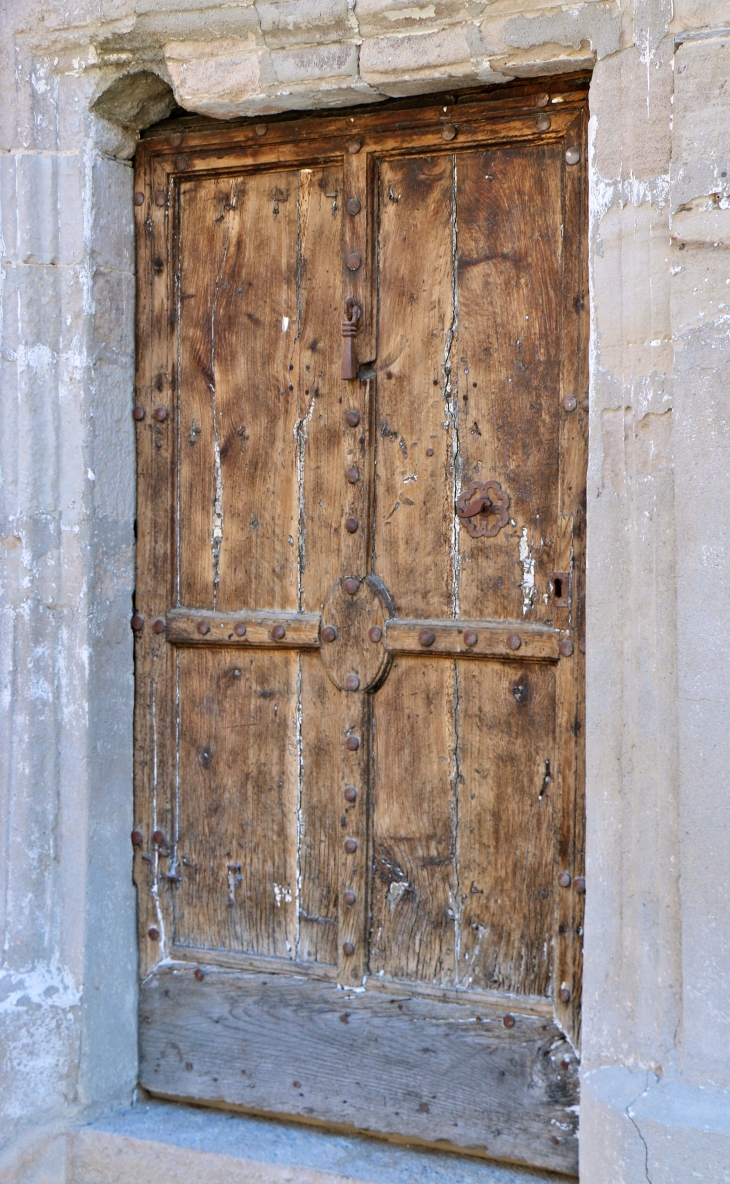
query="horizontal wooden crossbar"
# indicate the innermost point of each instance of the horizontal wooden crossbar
(263, 629)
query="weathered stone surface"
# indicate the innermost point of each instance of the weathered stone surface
(632, 105)
(596, 23)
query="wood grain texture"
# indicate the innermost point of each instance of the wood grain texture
(431, 1071)
(353, 651)
(238, 775)
(493, 639)
(301, 629)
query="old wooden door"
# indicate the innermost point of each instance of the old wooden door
(359, 656)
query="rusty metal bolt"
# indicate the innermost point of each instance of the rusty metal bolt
(350, 793)
(181, 163)
(542, 123)
(470, 638)
(158, 838)
(426, 637)
(136, 837)
(176, 140)
(354, 146)
(352, 683)
(239, 629)
(375, 633)
(542, 100)
(278, 632)
(570, 402)
(554, 1139)
(353, 206)
(352, 419)
(351, 586)
(564, 995)
(160, 414)
(566, 647)
(429, 452)
(350, 846)
(203, 627)
(137, 622)
(139, 199)
(565, 879)
(138, 412)
(572, 156)
(153, 933)
(352, 743)
(348, 897)
(353, 261)
(582, 645)
(352, 474)
(158, 626)
(348, 948)
(509, 1021)
(351, 525)
(329, 633)
(260, 129)
(514, 641)
(579, 884)
(199, 974)
(160, 198)
(448, 131)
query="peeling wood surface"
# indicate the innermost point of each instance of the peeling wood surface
(388, 810)
(426, 1070)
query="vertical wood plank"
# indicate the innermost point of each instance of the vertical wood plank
(507, 355)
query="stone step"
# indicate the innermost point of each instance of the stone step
(156, 1141)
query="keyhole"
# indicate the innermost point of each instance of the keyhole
(558, 588)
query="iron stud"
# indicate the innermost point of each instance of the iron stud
(278, 632)
(426, 637)
(350, 793)
(514, 641)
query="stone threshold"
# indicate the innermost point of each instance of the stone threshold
(179, 1144)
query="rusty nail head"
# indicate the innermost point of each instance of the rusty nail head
(566, 647)
(137, 622)
(353, 474)
(582, 645)
(158, 626)
(564, 995)
(160, 198)
(353, 261)
(158, 837)
(352, 743)
(348, 897)
(329, 633)
(260, 129)
(352, 683)
(585, 402)
(278, 632)
(579, 884)
(350, 846)
(554, 1139)
(348, 948)
(351, 586)
(203, 627)
(181, 163)
(570, 402)
(426, 637)
(564, 879)
(429, 452)
(239, 629)
(353, 206)
(509, 1021)
(470, 638)
(350, 793)
(153, 934)
(199, 974)
(572, 156)
(354, 146)
(176, 140)
(543, 123)
(160, 414)
(136, 838)
(375, 633)
(448, 131)
(139, 198)
(351, 525)
(138, 412)
(514, 641)
(297, 1084)
(352, 419)
(542, 100)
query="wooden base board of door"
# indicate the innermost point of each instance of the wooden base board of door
(250, 1040)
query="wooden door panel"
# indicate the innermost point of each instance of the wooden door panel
(350, 850)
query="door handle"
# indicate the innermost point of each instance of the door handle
(483, 508)
(481, 505)
(352, 314)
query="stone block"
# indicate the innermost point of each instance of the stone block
(701, 117)
(596, 24)
(111, 233)
(700, 287)
(293, 22)
(315, 62)
(404, 62)
(223, 78)
(696, 15)
(383, 17)
(631, 101)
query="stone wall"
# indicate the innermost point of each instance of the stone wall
(78, 82)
